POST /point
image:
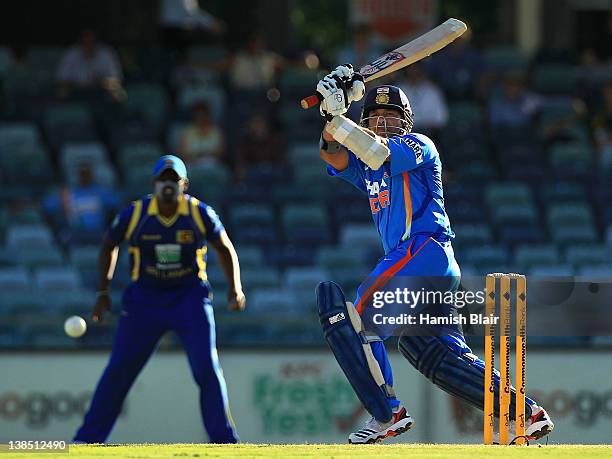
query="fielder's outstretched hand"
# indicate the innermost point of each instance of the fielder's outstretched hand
(103, 305)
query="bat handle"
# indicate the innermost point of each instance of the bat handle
(311, 101)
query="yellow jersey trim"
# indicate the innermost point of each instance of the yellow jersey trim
(195, 212)
(134, 219)
(182, 209)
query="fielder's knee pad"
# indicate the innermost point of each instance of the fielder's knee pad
(343, 331)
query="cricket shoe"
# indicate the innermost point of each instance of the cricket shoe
(375, 431)
(537, 426)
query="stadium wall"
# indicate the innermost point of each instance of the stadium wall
(292, 396)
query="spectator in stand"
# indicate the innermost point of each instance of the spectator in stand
(90, 65)
(363, 47)
(260, 144)
(426, 99)
(458, 68)
(602, 128)
(202, 143)
(515, 106)
(254, 68)
(82, 211)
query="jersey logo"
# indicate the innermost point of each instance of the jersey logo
(168, 256)
(381, 197)
(418, 153)
(151, 237)
(184, 237)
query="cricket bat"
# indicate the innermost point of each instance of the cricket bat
(407, 54)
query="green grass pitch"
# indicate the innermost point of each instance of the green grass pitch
(325, 451)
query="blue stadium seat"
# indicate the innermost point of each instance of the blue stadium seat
(514, 192)
(572, 159)
(57, 279)
(574, 234)
(34, 257)
(486, 255)
(14, 279)
(212, 96)
(582, 255)
(149, 101)
(29, 236)
(360, 237)
(555, 79)
(569, 213)
(530, 255)
(549, 270)
(276, 301)
(469, 234)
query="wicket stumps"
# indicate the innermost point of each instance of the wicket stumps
(505, 310)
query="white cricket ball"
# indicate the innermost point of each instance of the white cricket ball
(75, 326)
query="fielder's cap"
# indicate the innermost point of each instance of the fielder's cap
(170, 162)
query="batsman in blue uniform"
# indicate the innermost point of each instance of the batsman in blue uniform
(167, 235)
(401, 173)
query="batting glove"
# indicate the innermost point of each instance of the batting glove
(335, 99)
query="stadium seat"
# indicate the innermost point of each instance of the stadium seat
(514, 192)
(465, 115)
(304, 216)
(34, 257)
(30, 300)
(475, 171)
(276, 301)
(470, 234)
(57, 279)
(530, 255)
(68, 123)
(509, 212)
(584, 255)
(554, 79)
(360, 237)
(214, 97)
(334, 258)
(562, 191)
(91, 152)
(571, 159)
(574, 234)
(486, 255)
(503, 59)
(304, 152)
(17, 137)
(149, 101)
(245, 214)
(260, 277)
(568, 213)
(132, 154)
(250, 256)
(14, 279)
(29, 236)
(551, 270)
(304, 278)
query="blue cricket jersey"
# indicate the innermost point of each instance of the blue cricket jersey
(166, 252)
(406, 197)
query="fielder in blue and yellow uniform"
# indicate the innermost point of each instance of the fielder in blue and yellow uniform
(403, 183)
(167, 235)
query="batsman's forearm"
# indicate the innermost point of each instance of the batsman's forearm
(107, 261)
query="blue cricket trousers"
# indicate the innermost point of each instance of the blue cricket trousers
(147, 314)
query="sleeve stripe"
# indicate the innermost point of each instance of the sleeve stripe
(134, 219)
(195, 212)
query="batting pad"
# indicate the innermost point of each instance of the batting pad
(367, 148)
(344, 334)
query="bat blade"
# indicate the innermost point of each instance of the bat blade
(414, 51)
(407, 54)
